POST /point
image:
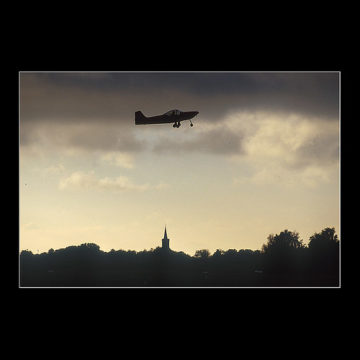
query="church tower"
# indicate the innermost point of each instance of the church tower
(165, 242)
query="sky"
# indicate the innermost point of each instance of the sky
(262, 157)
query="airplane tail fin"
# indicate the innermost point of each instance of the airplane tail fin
(140, 118)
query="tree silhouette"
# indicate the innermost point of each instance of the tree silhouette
(283, 255)
(284, 242)
(283, 261)
(323, 241)
(324, 257)
(203, 254)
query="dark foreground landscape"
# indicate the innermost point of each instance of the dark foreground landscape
(283, 261)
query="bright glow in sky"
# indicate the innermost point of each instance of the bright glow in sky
(255, 162)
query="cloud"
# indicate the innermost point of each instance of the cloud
(319, 149)
(118, 159)
(79, 136)
(88, 181)
(119, 184)
(277, 174)
(161, 186)
(218, 140)
(54, 170)
(288, 150)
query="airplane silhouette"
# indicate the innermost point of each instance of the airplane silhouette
(172, 116)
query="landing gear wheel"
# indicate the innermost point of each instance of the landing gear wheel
(191, 124)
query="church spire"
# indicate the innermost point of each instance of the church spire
(165, 241)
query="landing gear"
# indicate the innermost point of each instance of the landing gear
(177, 124)
(191, 124)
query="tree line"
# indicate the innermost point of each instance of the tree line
(284, 260)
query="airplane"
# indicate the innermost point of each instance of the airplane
(172, 116)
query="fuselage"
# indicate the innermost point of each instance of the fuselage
(167, 118)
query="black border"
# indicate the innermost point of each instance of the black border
(203, 57)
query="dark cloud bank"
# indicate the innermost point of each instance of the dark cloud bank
(119, 95)
(95, 111)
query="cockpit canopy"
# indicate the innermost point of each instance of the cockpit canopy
(173, 112)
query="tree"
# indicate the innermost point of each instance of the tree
(26, 253)
(218, 254)
(203, 254)
(284, 242)
(324, 241)
(282, 257)
(90, 246)
(231, 253)
(324, 257)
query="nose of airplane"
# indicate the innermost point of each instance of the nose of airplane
(195, 113)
